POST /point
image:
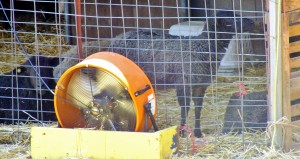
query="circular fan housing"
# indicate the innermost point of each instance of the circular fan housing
(105, 91)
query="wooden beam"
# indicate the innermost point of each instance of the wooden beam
(294, 17)
(295, 62)
(285, 68)
(294, 47)
(289, 18)
(295, 74)
(295, 110)
(292, 5)
(294, 30)
(295, 88)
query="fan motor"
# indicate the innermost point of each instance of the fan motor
(105, 91)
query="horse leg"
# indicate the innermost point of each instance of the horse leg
(198, 94)
(183, 97)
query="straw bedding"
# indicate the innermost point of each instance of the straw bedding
(15, 139)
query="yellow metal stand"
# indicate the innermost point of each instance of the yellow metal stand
(82, 143)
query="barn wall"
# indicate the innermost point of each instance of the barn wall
(161, 17)
(111, 15)
(238, 4)
(109, 22)
(291, 71)
(247, 6)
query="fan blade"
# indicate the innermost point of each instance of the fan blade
(109, 83)
(105, 103)
(124, 115)
(81, 88)
(118, 110)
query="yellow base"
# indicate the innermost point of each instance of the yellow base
(81, 143)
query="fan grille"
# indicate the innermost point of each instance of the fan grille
(105, 91)
(104, 102)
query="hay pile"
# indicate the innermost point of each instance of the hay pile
(47, 43)
(15, 140)
(15, 143)
(233, 145)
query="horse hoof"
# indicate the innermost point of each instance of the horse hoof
(181, 133)
(197, 133)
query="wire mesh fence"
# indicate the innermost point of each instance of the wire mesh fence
(179, 44)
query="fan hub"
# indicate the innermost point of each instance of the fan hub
(96, 111)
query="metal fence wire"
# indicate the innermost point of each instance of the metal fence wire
(206, 59)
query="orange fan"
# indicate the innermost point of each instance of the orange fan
(105, 91)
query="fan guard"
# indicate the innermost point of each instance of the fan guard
(105, 91)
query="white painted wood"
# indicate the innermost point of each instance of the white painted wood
(275, 89)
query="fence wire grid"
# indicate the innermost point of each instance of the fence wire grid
(207, 60)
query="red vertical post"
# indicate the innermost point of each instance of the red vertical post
(78, 28)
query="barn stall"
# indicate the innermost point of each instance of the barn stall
(236, 102)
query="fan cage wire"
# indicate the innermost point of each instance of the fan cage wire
(111, 67)
(95, 84)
